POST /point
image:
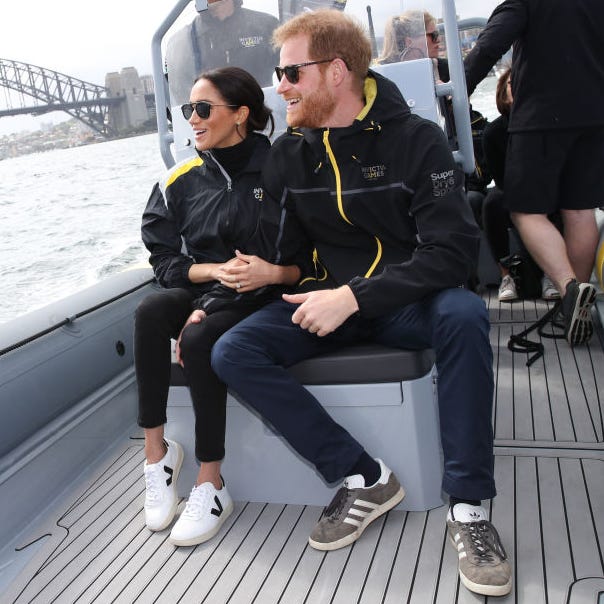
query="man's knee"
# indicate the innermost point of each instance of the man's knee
(462, 310)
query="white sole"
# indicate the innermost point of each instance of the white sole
(196, 540)
(344, 541)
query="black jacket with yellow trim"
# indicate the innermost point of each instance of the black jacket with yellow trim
(198, 214)
(381, 202)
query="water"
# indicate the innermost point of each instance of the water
(71, 217)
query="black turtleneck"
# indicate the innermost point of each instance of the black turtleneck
(234, 159)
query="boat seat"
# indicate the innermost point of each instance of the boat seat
(385, 397)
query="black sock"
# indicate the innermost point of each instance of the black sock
(454, 500)
(368, 468)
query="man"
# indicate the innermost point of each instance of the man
(375, 192)
(225, 34)
(555, 150)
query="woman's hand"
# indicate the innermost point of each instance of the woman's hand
(246, 273)
(197, 316)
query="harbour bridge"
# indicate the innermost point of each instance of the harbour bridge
(29, 89)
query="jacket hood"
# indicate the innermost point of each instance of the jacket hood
(383, 102)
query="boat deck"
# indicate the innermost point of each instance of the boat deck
(549, 431)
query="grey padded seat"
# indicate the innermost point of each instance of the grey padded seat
(358, 364)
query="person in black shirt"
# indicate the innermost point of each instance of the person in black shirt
(556, 137)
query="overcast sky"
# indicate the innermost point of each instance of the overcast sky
(88, 39)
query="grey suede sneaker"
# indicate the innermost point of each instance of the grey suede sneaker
(576, 308)
(354, 507)
(483, 565)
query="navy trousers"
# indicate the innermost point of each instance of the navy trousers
(252, 356)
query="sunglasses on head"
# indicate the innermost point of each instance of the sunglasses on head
(434, 35)
(292, 72)
(202, 108)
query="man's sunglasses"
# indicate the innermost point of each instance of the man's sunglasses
(434, 35)
(202, 108)
(292, 72)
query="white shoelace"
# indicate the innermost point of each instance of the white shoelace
(153, 481)
(198, 502)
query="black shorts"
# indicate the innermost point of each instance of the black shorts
(553, 170)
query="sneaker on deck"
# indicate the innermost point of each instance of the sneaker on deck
(507, 289)
(205, 512)
(548, 289)
(576, 308)
(483, 565)
(161, 499)
(354, 507)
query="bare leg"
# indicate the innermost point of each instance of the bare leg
(209, 471)
(581, 237)
(547, 247)
(155, 449)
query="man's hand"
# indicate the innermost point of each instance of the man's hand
(197, 316)
(323, 311)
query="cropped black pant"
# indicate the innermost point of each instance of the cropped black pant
(160, 317)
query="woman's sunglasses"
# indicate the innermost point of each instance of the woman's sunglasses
(434, 35)
(201, 108)
(292, 72)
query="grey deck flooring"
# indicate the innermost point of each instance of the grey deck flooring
(549, 512)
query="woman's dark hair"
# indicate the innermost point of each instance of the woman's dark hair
(502, 100)
(238, 87)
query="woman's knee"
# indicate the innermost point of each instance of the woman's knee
(196, 341)
(150, 309)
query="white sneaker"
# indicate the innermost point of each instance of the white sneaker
(548, 289)
(161, 499)
(204, 514)
(507, 289)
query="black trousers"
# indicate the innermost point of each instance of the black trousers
(160, 317)
(496, 222)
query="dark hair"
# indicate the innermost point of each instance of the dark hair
(501, 93)
(238, 87)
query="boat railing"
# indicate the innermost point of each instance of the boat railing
(174, 131)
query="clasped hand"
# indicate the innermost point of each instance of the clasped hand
(245, 273)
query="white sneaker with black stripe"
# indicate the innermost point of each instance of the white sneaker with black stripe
(204, 514)
(354, 507)
(161, 499)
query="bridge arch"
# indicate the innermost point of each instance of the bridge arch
(55, 91)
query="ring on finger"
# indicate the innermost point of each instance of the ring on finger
(238, 285)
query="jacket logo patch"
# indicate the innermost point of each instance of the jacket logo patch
(251, 41)
(442, 182)
(373, 172)
(258, 193)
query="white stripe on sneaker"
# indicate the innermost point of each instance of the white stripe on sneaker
(366, 504)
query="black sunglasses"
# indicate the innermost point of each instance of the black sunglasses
(202, 108)
(434, 35)
(292, 72)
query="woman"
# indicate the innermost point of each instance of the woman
(413, 35)
(496, 217)
(196, 221)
